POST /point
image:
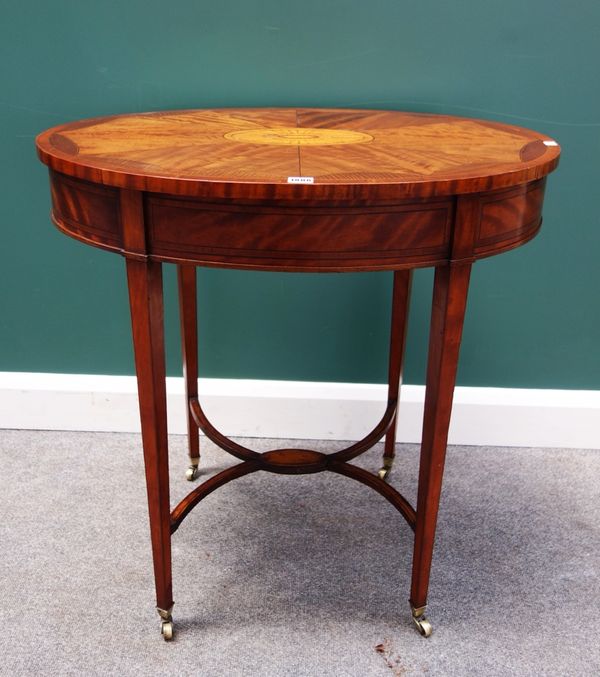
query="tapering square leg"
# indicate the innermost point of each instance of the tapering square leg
(189, 349)
(399, 323)
(146, 303)
(450, 289)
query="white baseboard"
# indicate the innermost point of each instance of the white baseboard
(303, 410)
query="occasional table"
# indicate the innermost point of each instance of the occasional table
(285, 189)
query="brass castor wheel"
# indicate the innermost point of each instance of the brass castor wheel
(166, 626)
(192, 472)
(166, 630)
(423, 626)
(383, 472)
(421, 623)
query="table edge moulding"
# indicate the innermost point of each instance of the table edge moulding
(297, 189)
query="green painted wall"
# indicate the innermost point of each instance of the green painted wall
(533, 317)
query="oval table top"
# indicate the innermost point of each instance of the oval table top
(291, 153)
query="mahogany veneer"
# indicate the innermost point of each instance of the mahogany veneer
(297, 190)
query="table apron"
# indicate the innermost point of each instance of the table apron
(315, 237)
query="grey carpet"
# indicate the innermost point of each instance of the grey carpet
(278, 575)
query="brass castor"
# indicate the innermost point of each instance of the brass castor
(192, 472)
(166, 626)
(166, 630)
(422, 624)
(383, 472)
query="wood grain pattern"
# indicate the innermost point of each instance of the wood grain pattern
(296, 235)
(186, 279)
(146, 303)
(391, 191)
(298, 238)
(210, 153)
(398, 331)
(450, 289)
(509, 218)
(86, 211)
